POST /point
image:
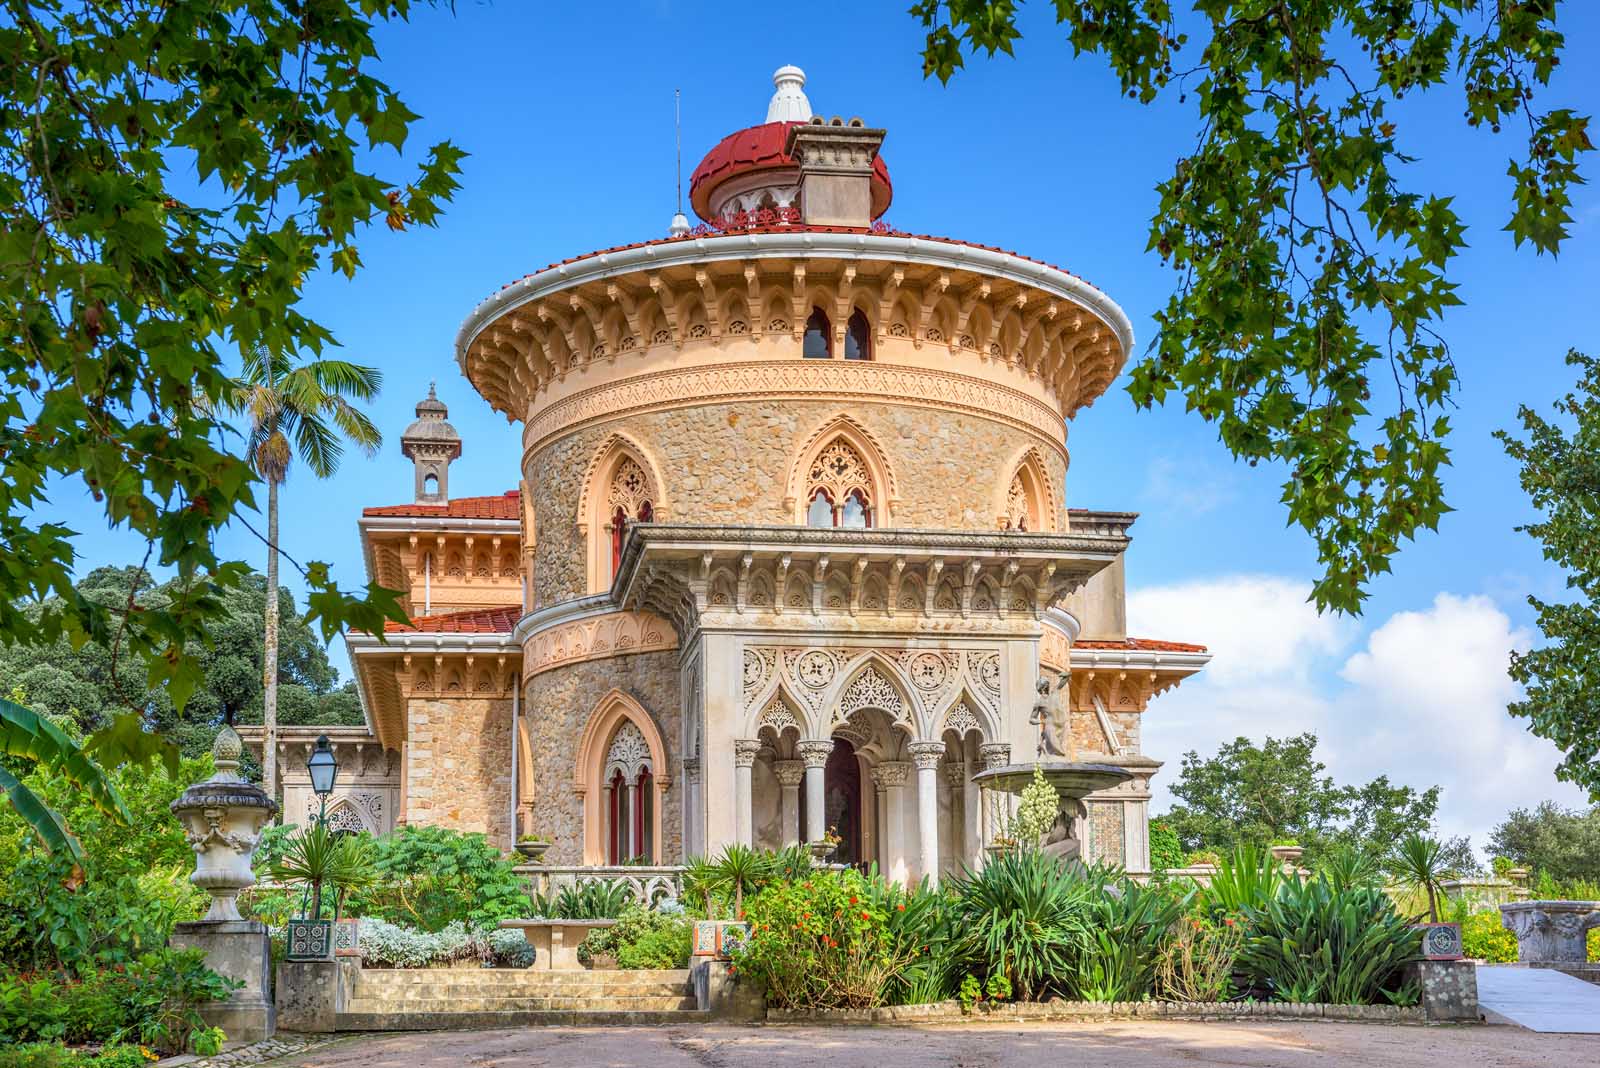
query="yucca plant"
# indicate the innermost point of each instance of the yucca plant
(1249, 877)
(1024, 916)
(1131, 924)
(1419, 865)
(1314, 943)
(26, 734)
(317, 857)
(742, 868)
(700, 880)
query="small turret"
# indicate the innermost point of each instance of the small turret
(431, 443)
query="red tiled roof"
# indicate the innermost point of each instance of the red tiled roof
(473, 621)
(506, 506)
(878, 229)
(1139, 645)
(759, 148)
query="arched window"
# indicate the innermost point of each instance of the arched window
(430, 485)
(858, 338)
(629, 805)
(818, 342)
(839, 488)
(627, 498)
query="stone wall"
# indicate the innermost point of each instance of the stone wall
(557, 706)
(730, 463)
(458, 764)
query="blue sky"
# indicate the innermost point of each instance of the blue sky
(567, 113)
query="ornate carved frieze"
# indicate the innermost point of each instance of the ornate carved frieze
(596, 637)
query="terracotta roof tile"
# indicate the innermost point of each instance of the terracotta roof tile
(879, 228)
(506, 506)
(499, 620)
(1138, 645)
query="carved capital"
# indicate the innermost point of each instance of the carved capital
(995, 754)
(815, 751)
(955, 772)
(744, 751)
(927, 755)
(691, 769)
(892, 773)
(789, 772)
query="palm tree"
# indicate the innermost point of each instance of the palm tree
(740, 868)
(294, 410)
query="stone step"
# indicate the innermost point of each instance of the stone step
(530, 990)
(483, 1021)
(555, 1003)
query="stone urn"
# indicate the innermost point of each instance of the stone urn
(533, 850)
(1551, 930)
(1287, 855)
(222, 818)
(822, 849)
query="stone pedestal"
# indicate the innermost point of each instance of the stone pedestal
(1551, 930)
(1449, 990)
(310, 994)
(724, 995)
(239, 950)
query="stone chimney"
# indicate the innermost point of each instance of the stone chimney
(835, 159)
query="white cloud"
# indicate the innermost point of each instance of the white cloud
(1422, 701)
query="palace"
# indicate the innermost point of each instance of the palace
(788, 551)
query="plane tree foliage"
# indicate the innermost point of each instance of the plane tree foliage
(1312, 274)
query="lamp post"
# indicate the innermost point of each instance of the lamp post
(323, 768)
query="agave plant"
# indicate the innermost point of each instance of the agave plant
(26, 734)
(1131, 923)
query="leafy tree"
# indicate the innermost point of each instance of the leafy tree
(91, 685)
(171, 172)
(296, 409)
(1309, 276)
(1255, 795)
(1561, 474)
(1550, 840)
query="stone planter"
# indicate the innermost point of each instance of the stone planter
(309, 940)
(1550, 930)
(1440, 941)
(534, 851)
(821, 850)
(1287, 855)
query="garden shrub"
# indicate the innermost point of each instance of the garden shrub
(822, 942)
(1024, 916)
(596, 900)
(1197, 960)
(55, 1055)
(919, 933)
(1166, 851)
(1483, 937)
(1129, 924)
(1313, 942)
(643, 938)
(431, 877)
(388, 945)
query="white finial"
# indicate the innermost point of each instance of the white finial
(789, 103)
(680, 225)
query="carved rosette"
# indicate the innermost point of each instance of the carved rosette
(955, 773)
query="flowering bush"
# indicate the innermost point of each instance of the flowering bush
(823, 942)
(1483, 937)
(55, 1055)
(643, 938)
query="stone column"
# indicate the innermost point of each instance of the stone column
(691, 807)
(744, 755)
(955, 773)
(927, 756)
(632, 816)
(996, 811)
(611, 830)
(815, 753)
(880, 823)
(891, 777)
(790, 773)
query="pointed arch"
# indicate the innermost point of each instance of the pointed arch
(1027, 491)
(621, 474)
(873, 681)
(961, 713)
(883, 496)
(611, 713)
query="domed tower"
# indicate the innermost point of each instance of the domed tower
(430, 444)
(792, 535)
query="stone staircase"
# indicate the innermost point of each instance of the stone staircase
(471, 999)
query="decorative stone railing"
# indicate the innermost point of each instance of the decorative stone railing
(649, 884)
(1551, 931)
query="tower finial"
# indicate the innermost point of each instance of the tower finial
(789, 103)
(431, 443)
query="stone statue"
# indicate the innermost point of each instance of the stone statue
(1054, 723)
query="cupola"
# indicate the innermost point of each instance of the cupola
(431, 443)
(759, 169)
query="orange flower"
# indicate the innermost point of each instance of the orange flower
(1228, 920)
(900, 908)
(854, 900)
(866, 915)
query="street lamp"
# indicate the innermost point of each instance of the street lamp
(324, 770)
